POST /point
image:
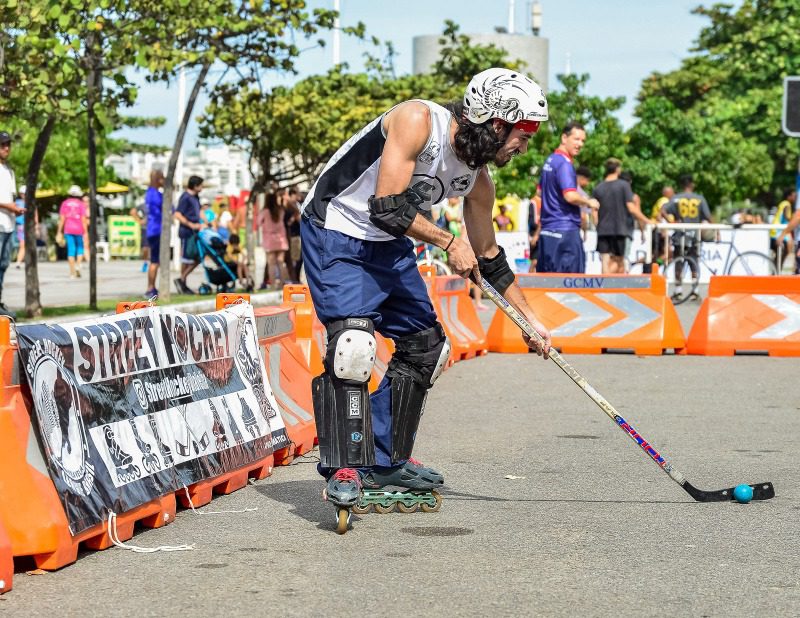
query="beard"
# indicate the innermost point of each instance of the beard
(501, 160)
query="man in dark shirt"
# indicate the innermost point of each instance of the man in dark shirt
(617, 206)
(686, 207)
(188, 215)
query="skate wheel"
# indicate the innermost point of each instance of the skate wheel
(361, 510)
(427, 508)
(407, 509)
(342, 521)
(383, 510)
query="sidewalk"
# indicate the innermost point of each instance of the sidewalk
(117, 280)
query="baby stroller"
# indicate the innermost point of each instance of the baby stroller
(221, 274)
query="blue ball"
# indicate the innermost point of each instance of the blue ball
(743, 493)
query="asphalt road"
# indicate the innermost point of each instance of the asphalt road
(588, 525)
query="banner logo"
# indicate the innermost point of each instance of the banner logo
(58, 408)
(355, 404)
(141, 393)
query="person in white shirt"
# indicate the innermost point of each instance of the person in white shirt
(376, 190)
(8, 213)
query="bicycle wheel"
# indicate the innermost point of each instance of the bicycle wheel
(752, 263)
(442, 269)
(682, 284)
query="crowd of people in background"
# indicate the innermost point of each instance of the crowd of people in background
(561, 212)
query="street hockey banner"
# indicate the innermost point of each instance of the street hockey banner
(134, 406)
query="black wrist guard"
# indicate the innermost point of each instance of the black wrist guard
(394, 213)
(496, 271)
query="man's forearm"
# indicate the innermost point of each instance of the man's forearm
(514, 295)
(424, 230)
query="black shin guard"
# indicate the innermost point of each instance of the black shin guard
(417, 362)
(343, 417)
(408, 400)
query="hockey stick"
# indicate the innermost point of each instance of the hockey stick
(762, 491)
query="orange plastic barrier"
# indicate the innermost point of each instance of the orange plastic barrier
(30, 509)
(131, 305)
(309, 331)
(312, 338)
(748, 314)
(6, 561)
(226, 299)
(454, 308)
(202, 492)
(591, 314)
(289, 378)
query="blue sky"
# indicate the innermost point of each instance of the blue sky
(618, 42)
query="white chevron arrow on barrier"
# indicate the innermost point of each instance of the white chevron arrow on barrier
(589, 314)
(638, 315)
(786, 306)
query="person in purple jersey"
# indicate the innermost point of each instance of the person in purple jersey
(560, 244)
(153, 200)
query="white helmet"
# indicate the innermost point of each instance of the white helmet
(507, 95)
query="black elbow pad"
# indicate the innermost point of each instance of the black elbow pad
(497, 271)
(393, 213)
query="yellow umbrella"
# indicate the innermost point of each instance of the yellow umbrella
(41, 193)
(112, 187)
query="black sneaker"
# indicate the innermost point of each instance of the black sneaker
(181, 286)
(7, 312)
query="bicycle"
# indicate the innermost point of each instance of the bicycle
(685, 267)
(430, 255)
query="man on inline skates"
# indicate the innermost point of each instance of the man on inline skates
(375, 192)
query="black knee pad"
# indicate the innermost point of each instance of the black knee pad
(340, 395)
(418, 361)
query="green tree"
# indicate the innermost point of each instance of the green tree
(60, 54)
(724, 102)
(244, 38)
(605, 136)
(724, 163)
(291, 132)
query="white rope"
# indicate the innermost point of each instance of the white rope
(189, 498)
(114, 536)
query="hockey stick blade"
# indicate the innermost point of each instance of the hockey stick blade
(762, 491)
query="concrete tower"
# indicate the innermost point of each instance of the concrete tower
(530, 48)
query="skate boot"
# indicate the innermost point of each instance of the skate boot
(343, 491)
(406, 488)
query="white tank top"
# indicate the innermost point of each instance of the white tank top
(338, 199)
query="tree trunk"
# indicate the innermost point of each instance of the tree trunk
(33, 303)
(166, 204)
(92, 82)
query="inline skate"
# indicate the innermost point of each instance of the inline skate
(406, 488)
(344, 491)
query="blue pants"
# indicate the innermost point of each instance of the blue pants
(349, 277)
(6, 241)
(561, 251)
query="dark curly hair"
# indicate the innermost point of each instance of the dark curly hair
(475, 144)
